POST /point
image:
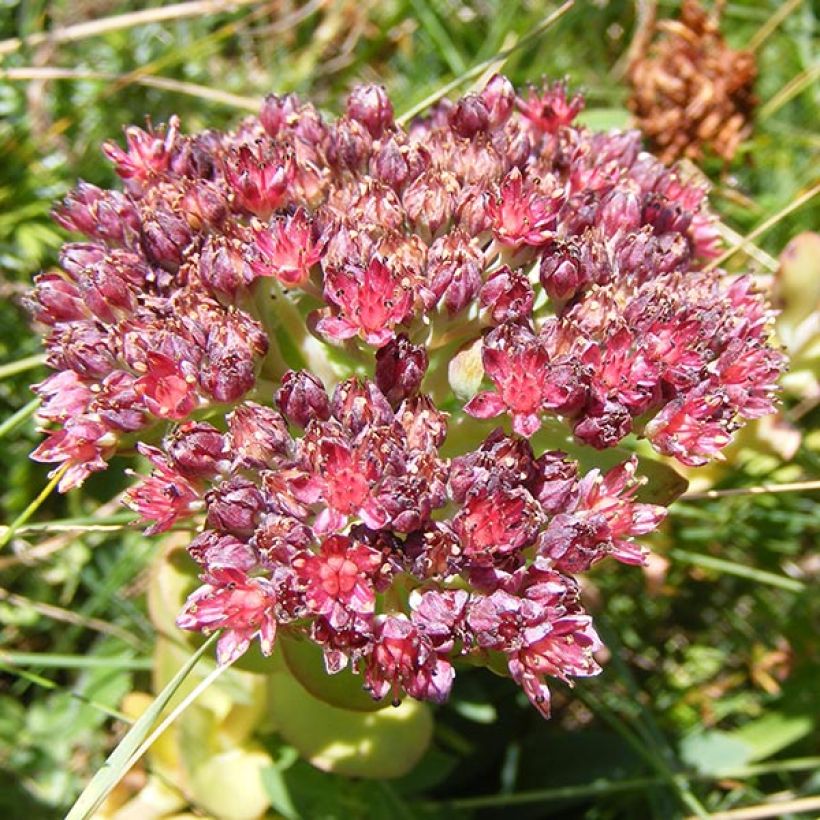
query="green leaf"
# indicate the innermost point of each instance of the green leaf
(605, 119)
(374, 745)
(304, 659)
(713, 751)
(229, 784)
(115, 767)
(774, 731)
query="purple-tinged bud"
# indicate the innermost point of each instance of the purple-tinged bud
(664, 215)
(215, 550)
(222, 264)
(302, 398)
(165, 237)
(198, 450)
(229, 375)
(235, 506)
(75, 257)
(556, 482)
(431, 199)
(82, 346)
(569, 267)
(400, 368)
(193, 156)
(357, 404)
(508, 295)
(469, 117)
(257, 435)
(619, 213)
(100, 214)
(499, 98)
(389, 164)
(454, 266)
(55, 300)
(203, 205)
(279, 538)
(471, 211)
(350, 145)
(561, 273)
(277, 112)
(119, 404)
(106, 293)
(370, 105)
(259, 179)
(606, 428)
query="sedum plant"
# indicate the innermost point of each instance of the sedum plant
(395, 377)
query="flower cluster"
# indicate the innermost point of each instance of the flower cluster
(691, 92)
(272, 318)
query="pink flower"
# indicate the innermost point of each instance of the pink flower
(289, 249)
(522, 213)
(82, 445)
(549, 111)
(528, 381)
(403, 658)
(259, 180)
(166, 496)
(339, 579)
(147, 155)
(369, 302)
(167, 390)
(242, 606)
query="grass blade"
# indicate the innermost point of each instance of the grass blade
(21, 365)
(18, 418)
(730, 568)
(121, 759)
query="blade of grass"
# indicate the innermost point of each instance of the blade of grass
(47, 660)
(775, 808)
(600, 788)
(762, 489)
(789, 91)
(119, 761)
(19, 418)
(32, 508)
(764, 32)
(66, 616)
(477, 69)
(173, 715)
(45, 683)
(805, 197)
(122, 80)
(677, 782)
(118, 22)
(21, 365)
(741, 571)
(438, 34)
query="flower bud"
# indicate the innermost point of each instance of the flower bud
(370, 105)
(498, 97)
(507, 295)
(234, 506)
(257, 435)
(302, 398)
(198, 450)
(400, 368)
(469, 116)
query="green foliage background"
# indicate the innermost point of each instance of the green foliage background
(715, 665)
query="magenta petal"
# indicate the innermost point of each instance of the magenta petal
(485, 405)
(336, 328)
(526, 425)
